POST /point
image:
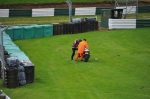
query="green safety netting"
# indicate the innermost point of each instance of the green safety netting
(23, 32)
(12, 49)
(39, 29)
(48, 30)
(7, 40)
(20, 55)
(28, 32)
(31, 31)
(18, 33)
(10, 32)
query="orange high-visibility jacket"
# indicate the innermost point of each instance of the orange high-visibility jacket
(81, 47)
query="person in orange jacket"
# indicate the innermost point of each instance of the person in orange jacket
(81, 47)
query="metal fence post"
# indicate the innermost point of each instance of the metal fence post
(2, 55)
(70, 10)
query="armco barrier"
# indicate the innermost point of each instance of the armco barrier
(10, 32)
(143, 9)
(20, 12)
(63, 11)
(122, 23)
(140, 23)
(59, 11)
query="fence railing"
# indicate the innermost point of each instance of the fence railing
(59, 11)
(128, 23)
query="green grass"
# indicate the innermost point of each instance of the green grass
(40, 20)
(121, 70)
(56, 19)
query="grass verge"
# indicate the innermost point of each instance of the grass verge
(121, 70)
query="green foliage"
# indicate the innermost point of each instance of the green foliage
(119, 67)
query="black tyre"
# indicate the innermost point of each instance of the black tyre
(11, 71)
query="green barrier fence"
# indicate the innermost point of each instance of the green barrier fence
(63, 11)
(10, 31)
(20, 55)
(38, 31)
(140, 23)
(48, 30)
(143, 9)
(18, 33)
(28, 32)
(20, 12)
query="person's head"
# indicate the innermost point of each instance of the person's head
(79, 40)
(84, 39)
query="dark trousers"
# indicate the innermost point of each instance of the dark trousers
(73, 52)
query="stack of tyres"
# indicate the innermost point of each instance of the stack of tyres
(29, 71)
(75, 27)
(55, 30)
(65, 28)
(88, 26)
(2, 96)
(6, 55)
(91, 25)
(81, 27)
(12, 77)
(71, 28)
(78, 27)
(60, 27)
(90, 18)
(96, 25)
(84, 26)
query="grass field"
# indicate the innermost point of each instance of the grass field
(56, 19)
(119, 67)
